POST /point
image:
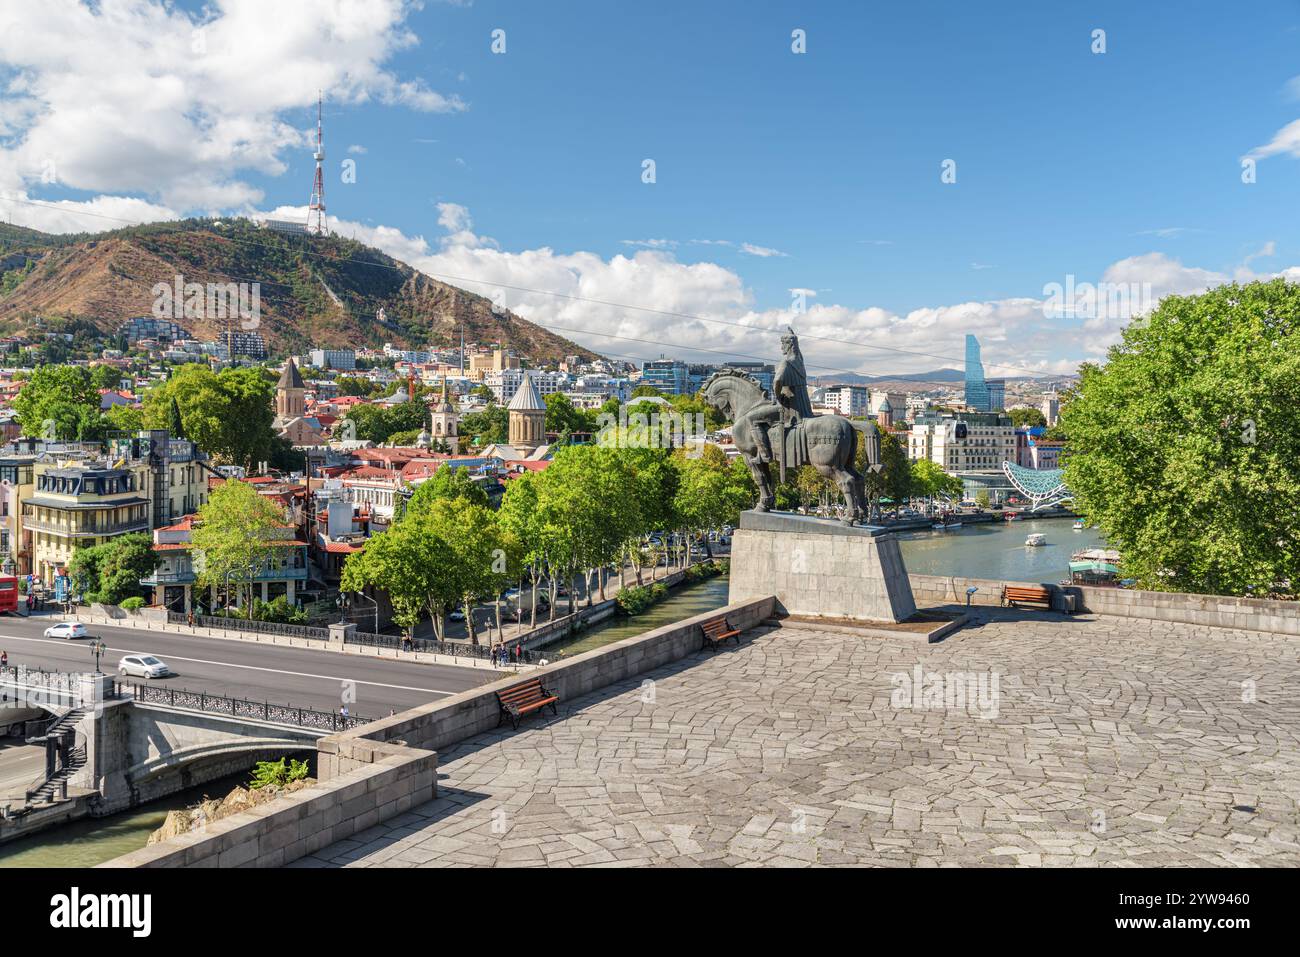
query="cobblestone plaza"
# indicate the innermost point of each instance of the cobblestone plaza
(1023, 739)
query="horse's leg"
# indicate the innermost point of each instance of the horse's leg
(759, 471)
(844, 479)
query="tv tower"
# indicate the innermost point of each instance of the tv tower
(316, 208)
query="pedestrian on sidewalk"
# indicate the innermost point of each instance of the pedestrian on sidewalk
(189, 618)
(4, 660)
(343, 713)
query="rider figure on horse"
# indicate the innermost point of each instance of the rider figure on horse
(790, 390)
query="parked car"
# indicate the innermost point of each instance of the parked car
(66, 629)
(457, 615)
(143, 666)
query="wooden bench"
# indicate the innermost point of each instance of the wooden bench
(523, 698)
(717, 631)
(1028, 595)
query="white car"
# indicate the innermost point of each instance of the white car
(143, 666)
(66, 629)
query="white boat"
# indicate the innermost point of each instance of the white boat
(1037, 538)
(1078, 525)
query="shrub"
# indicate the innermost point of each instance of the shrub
(276, 774)
(637, 598)
(134, 603)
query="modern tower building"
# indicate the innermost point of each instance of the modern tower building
(977, 390)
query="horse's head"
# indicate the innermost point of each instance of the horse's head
(732, 392)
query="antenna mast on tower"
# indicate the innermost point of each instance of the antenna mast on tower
(316, 208)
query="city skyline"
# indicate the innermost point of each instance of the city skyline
(882, 265)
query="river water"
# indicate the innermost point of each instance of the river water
(997, 550)
(92, 841)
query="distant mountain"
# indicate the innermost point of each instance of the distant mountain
(854, 378)
(315, 291)
(937, 378)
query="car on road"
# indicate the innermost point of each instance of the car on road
(143, 666)
(66, 629)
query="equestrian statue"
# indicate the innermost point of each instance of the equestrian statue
(781, 427)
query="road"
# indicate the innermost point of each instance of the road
(262, 672)
(21, 766)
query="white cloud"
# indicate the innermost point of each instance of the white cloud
(135, 96)
(763, 251)
(1285, 140)
(646, 304)
(651, 243)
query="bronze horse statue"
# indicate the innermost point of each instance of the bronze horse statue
(828, 443)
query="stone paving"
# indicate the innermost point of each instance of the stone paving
(1111, 742)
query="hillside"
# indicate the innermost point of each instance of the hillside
(315, 291)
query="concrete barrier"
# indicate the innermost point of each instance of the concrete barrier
(1249, 614)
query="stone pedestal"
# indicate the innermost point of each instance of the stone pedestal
(817, 567)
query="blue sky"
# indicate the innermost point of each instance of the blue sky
(825, 165)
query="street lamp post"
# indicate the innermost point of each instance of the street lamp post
(97, 648)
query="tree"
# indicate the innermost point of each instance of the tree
(58, 402)
(228, 414)
(708, 495)
(1184, 449)
(110, 572)
(239, 535)
(562, 416)
(446, 484)
(175, 424)
(931, 481)
(1024, 417)
(894, 480)
(490, 426)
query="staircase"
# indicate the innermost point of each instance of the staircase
(52, 788)
(63, 723)
(61, 729)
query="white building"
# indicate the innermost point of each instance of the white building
(963, 445)
(505, 383)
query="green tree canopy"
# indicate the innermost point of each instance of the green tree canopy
(1185, 446)
(228, 414)
(237, 535)
(110, 572)
(59, 402)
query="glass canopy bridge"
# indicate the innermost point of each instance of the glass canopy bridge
(1043, 487)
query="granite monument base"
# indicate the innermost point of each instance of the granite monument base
(817, 567)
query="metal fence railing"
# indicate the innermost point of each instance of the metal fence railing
(243, 624)
(243, 708)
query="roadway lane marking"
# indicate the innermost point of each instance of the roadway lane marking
(62, 642)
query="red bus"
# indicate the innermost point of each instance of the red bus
(8, 593)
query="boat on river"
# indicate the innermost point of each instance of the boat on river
(1036, 539)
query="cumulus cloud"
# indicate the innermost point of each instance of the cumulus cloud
(647, 303)
(137, 96)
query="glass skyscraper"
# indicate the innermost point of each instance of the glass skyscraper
(977, 390)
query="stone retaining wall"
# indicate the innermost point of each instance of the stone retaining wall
(1251, 614)
(450, 720)
(301, 823)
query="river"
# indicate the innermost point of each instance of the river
(997, 550)
(93, 840)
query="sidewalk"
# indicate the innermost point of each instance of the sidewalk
(418, 657)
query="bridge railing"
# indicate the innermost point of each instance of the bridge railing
(244, 708)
